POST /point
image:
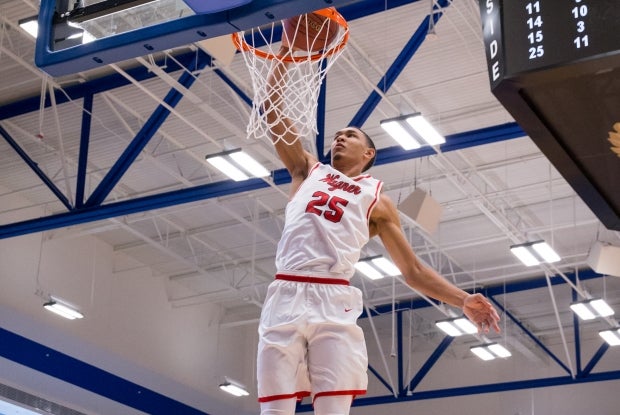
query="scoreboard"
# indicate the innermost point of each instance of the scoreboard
(543, 33)
(555, 66)
(525, 35)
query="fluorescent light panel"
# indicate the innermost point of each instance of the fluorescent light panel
(602, 308)
(62, 310)
(237, 165)
(524, 255)
(545, 251)
(425, 129)
(591, 309)
(248, 163)
(499, 350)
(30, 25)
(449, 328)
(377, 267)
(482, 353)
(368, 270)
(611, 336)
(582, 311)
(227, 168)
(386, 266)
(402, 128)
(456, 326)
(234, 388)
(533, 253)
(490, 351)
(400, 134)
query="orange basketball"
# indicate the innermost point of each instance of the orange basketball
(309, 32)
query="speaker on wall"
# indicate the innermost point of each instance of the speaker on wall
(423, 209)
(604, 259)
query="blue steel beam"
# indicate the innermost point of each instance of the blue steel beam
(380, 379)
(193, 194)
(145, 134)
(234, 87)
(479, 389)
(95, 86)
(87, 112)
(595, 359)
(430, 362)
(531, 335)
(35, 168)
(141, 204)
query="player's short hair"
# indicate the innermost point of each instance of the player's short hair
(370, 144)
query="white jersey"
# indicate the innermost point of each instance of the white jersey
(327, 224)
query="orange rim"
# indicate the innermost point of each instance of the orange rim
(331, 13)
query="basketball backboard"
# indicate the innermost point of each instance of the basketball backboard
(90, 33)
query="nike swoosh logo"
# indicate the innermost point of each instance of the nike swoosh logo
(346, 310)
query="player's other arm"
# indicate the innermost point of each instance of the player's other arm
(284, 134)
(386, 223)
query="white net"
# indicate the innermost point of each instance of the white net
(299, 89)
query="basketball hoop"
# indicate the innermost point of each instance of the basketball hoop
(309, 64)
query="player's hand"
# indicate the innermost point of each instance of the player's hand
(481, 312)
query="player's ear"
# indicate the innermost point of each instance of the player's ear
(370, 152)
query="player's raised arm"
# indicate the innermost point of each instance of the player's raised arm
(284, 134)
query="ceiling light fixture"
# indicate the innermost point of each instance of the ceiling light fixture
(611, 336)
(407, 130)
(457, 326)
(400, 134)
(592, 308)
(63, 310)
(64, 31)
(237, 165)
(533, 253)
(490, 351)
(377, 267)
(30, 25)
(234, 388)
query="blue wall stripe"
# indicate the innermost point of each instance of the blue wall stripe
(66, 368)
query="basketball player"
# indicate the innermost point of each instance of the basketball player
(310, 343)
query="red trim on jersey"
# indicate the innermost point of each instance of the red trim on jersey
(358, 178)
(298, 395)
(314, 280)
(353, 392)
(374, 202)
(313, 168)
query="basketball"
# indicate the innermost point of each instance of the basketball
(310, 32)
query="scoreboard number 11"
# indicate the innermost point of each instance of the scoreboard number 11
(579, 12)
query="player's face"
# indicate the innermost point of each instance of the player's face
(349, 144)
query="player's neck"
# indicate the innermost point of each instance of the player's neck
(349, 171)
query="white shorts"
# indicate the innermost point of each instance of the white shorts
(310, 343)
